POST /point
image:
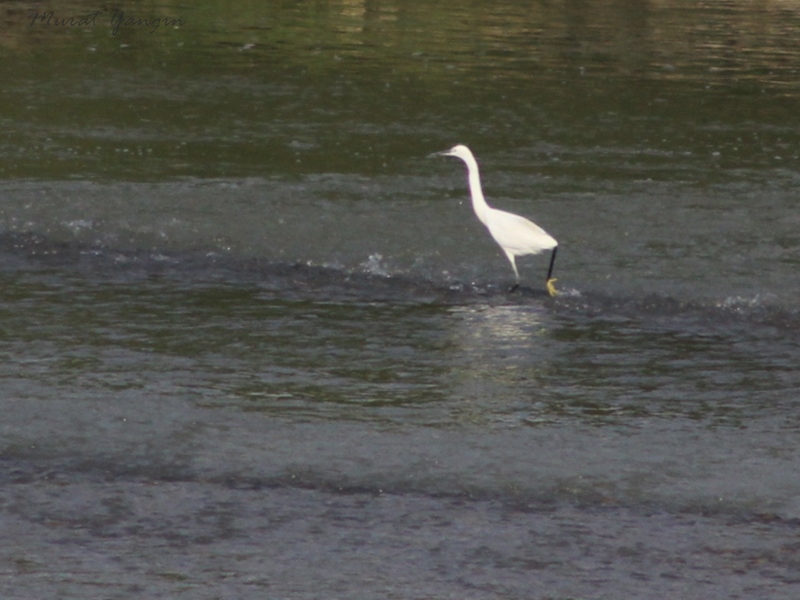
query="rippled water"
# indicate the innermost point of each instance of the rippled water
(255, 343)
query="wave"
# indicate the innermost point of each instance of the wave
(371, 281)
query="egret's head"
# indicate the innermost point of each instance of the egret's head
(459, 151)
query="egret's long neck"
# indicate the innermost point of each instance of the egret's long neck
(478, 202)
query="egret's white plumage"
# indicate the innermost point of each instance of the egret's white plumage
(516, 235)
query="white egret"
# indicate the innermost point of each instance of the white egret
(516, 235)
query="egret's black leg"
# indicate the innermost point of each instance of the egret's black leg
(551, 288)
(552, 262)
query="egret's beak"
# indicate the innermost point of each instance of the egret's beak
(442, 153)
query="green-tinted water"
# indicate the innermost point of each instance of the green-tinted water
(610, 88)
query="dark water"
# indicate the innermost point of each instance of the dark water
(256, 345)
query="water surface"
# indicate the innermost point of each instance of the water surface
(256, 344)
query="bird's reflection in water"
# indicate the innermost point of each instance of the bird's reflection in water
(499, 326)
(503, 357)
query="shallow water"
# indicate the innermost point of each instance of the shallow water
(255, 343)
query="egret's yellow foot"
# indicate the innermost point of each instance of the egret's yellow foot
(551, 287)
